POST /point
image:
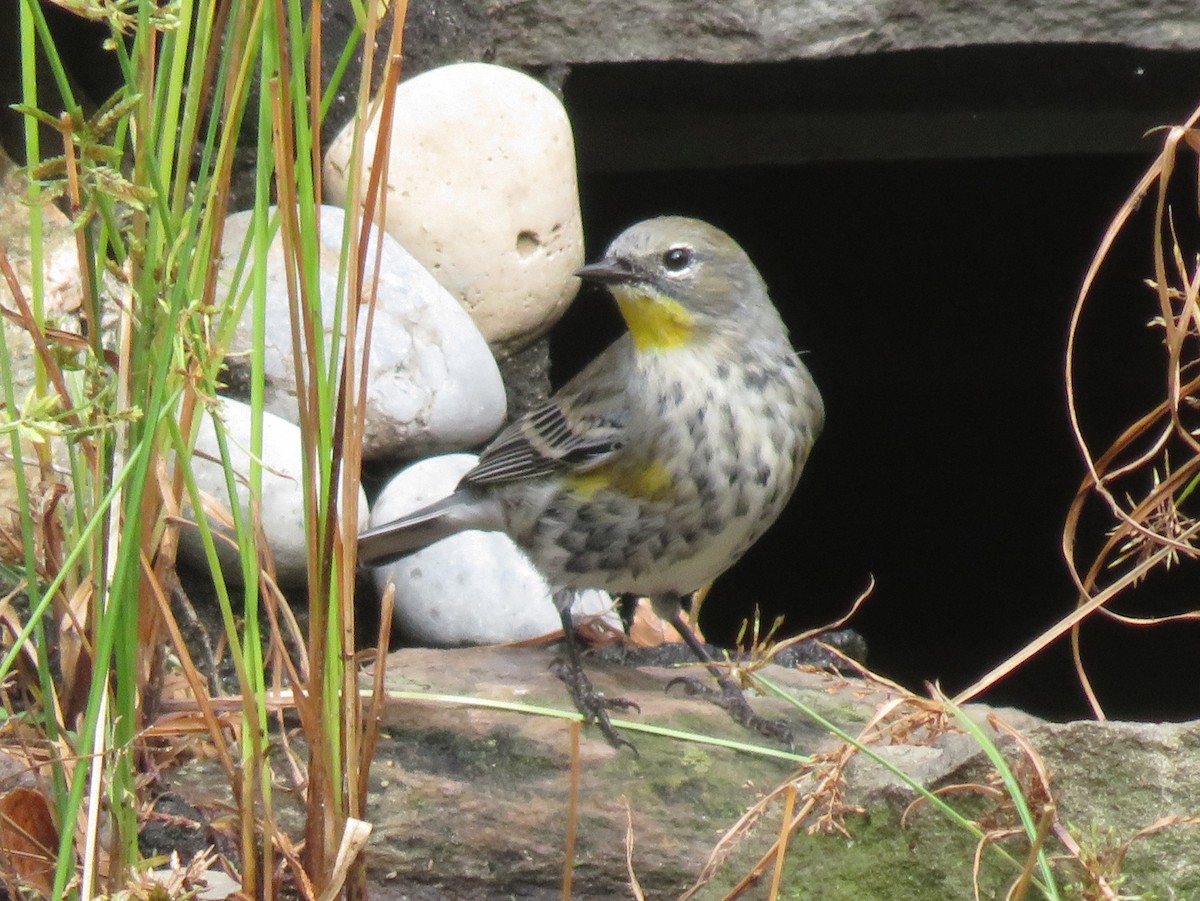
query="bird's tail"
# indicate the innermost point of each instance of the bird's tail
(421, 528)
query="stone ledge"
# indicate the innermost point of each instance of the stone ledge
(551, 32)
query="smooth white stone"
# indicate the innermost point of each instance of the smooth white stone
(282, 506)
(482, 190)
(433, 382)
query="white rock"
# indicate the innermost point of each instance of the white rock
(470, 588)
(433, 383)
(282, 492)
(483, 191)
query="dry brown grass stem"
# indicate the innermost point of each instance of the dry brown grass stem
(815, 798)
(820, 786)
(1151, 528)
(781, 844)
(575, 728)
(635, 886)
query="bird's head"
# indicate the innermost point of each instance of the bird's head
(677, 280)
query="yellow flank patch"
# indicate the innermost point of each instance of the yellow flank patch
(655, 321)
(647, 483)
(585, 484)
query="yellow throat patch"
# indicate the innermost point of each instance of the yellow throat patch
(655, 321)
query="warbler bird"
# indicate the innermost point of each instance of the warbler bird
(658, 466)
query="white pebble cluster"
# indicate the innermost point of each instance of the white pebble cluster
(481, 238)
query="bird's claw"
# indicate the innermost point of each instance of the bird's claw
(593, 704)
(730, 698)
(733, 701)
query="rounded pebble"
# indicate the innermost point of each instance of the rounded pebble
(282, 493)
(433, 383)
(483, 190)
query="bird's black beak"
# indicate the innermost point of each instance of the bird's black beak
(607, 271)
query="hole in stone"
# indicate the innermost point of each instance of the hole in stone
(527, 243)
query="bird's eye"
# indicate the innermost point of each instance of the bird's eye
(677, 259)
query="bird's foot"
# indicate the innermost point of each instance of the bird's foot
(593, 704)
(730, 698)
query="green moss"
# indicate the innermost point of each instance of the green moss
(880, 862)
(670, 774)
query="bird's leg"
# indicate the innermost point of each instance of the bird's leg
(592, 704)
(731, 698)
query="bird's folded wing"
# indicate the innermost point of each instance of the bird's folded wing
(576, 430)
